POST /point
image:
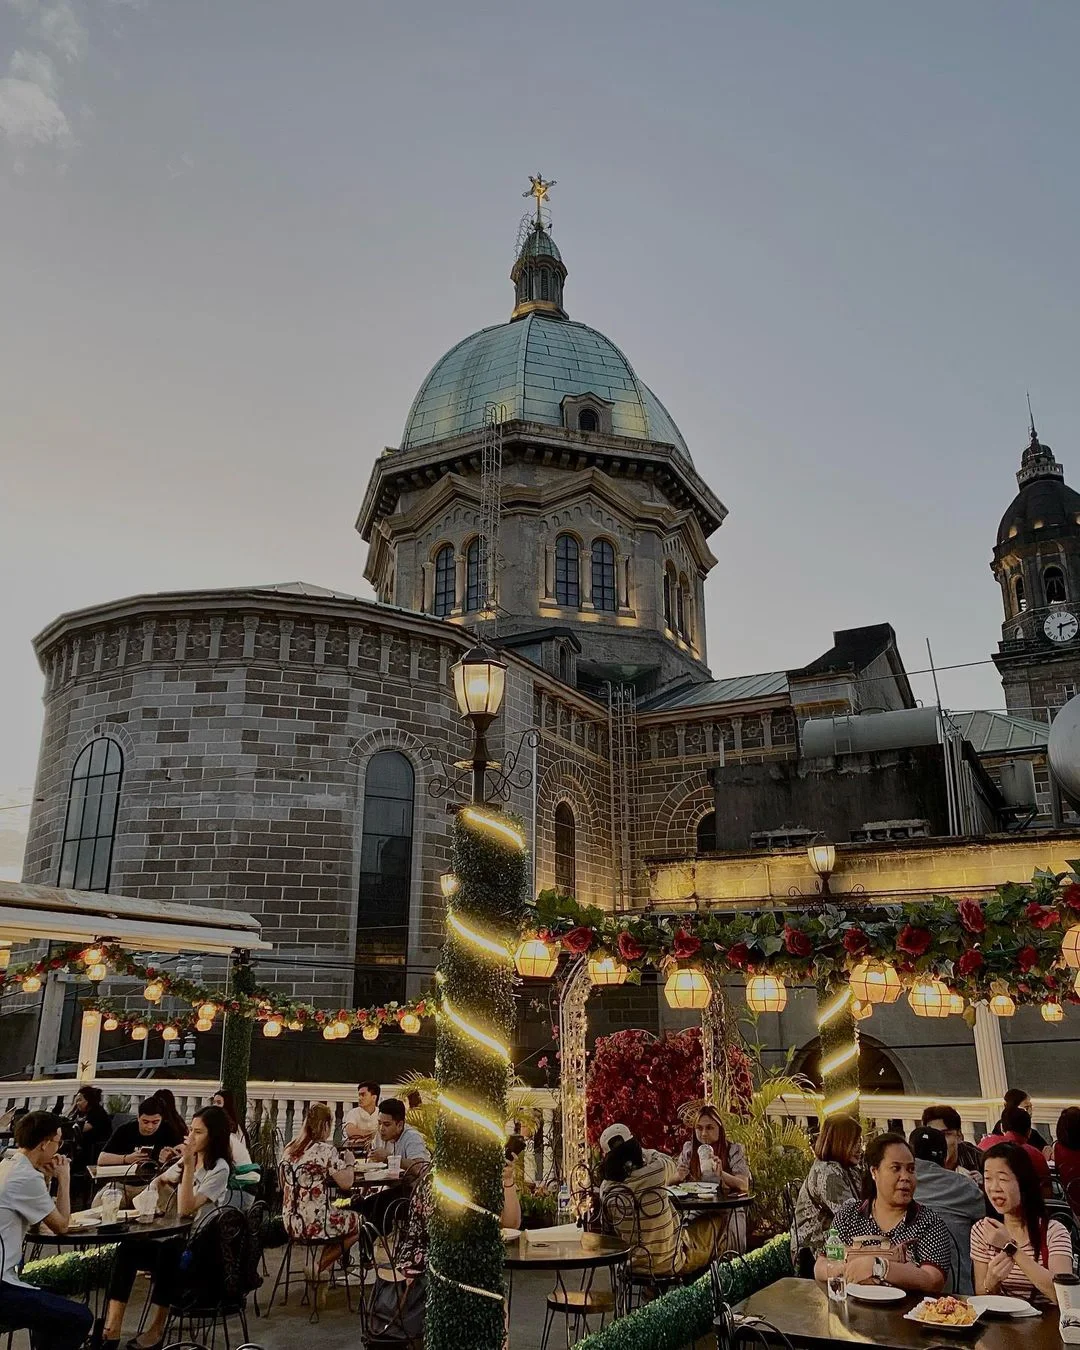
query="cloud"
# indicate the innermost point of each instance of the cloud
(60, 28)
(31, 114)
(37, 68)
(31, 117)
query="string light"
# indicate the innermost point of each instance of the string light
(1052, 1012)
(92, 956)
(370, 1032)
(457, 1197)
(207, 1011)
(203, 1024)
(111, 1023)
(154, 991)
(493, 825)
(477, 939)
(841, 1103)
(329, 1034)
(139, 1033)
(841, 1058)
(272, 1028)
(97, 971)
(31, 984)
(475, 1033)
(170, 1033)
(410, 1024)
(449, 885)
(457, 1108)
(835, 1008)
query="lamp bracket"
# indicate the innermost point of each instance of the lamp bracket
(501, 778)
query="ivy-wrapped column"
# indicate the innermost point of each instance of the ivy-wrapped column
(486, 898)
(839, 1040)
(236, 1035)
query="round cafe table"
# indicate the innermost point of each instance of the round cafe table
(693, 1204)
(587, 1254)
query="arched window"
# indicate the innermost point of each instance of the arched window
(603, 575)
(564, 663)
(444, 581)
(382, 910)
(669, 577)
(587, 420)
(1019, 596)
(680, 605)
(565, 849)
(706, 833)
(544, 283)
(90, 824)
(567, 571)
(1054, 585)
(472, 576)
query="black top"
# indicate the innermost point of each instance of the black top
(87, 1143)
(1035, 1139)
(126, 1139)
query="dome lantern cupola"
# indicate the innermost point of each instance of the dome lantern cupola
(1037, 461)
(538, 273)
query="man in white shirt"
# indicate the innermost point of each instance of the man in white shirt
(362, 1122)
(58, 1323)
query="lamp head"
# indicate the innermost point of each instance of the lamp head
(822, 857)
(479, 684)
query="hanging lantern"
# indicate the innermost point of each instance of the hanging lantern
(449, 885)
(272, 1027)
(97, 971)
(875, 982)
(607, 970)
(328, 1032)
(206, 1012)
(92, 956)
(91, 1017)
(410, 1024)
(371, 1031)
(203, 1024)
(31, 984)
(956, 1004)
(1070, 947)
(860, 1011)
(766, 994)
(929, 997)
(110, 1024)
(154, 991)
(295, 1025)
(139, 1033)
(1052, 1012)
(341, 1029)
(170, 1033)
(687, 989)
(535, 959)
(5, 955)
(1002, 1005)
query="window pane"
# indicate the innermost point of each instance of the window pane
(565, 849)
(567, 571)
(99, 874)
(382, 922)
(90, 823)
(444, 581)
(82, 764)
(603, 575)
(84, 865)
(67, 865)
(472, 576)
(98, 752)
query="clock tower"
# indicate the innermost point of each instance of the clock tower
(1037, 565)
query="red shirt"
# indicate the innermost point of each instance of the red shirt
(1042, 1167)
(1067, 1161)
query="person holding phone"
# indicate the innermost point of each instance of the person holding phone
(1020, 1254)
(142, 1139)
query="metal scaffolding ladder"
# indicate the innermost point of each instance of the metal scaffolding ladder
(622, 742)
(488, 557)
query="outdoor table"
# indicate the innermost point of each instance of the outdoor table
(693, 1205)
(805, 1320)
(588, 1253)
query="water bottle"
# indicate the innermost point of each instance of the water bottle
(564, 1203)
(835, 1272)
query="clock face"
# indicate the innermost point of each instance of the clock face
(1061, 626)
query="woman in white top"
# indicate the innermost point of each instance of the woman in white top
(241, 1154)
(201, 1186)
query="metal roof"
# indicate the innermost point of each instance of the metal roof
(306, 588)
(530, 366)
(735, 689)
(993, 733)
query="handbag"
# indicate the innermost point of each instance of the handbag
(397, 1311)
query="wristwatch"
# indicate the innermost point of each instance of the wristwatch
(1010, 1249)
(881, 1267)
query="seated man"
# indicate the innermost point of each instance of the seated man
(955, 1198)
(396, 1139)
(149, 1138)
(962, 1156)
(1016, 1129)
(362, 1122)
(58, 1323)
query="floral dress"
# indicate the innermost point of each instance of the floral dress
(309, 1192)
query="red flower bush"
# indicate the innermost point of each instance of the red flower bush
(1071, 896)
(1042, 916)
(856, 943)
(914, 941)
(739, 956)
(796, 942)
(1027, 958)
(969, 963)
(638, 1080)
(578, 940)
(684, 945)
(630, 949)
(971, 916)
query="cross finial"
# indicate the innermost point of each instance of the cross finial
(539, 190)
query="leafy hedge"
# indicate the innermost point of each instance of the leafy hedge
(677, 1319)
(71, 1273)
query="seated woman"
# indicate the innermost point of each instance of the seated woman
(648, 1222)
(311, 1162)
(708, 1156)
(201, 1186)
(1064, 1153)
(241, 1153)
(1020, 1254)
(887, 1236)
(835, 1177)
(92, 1126)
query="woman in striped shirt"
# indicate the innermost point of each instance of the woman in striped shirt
(1021, 1254)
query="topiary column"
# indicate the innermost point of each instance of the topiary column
(236, 1036)
(486, 896)
(839, 1041)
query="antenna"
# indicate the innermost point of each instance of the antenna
(1031, 417)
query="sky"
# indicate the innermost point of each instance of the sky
(837, 239)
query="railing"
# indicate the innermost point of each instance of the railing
(882, 1111)
(283, 1103)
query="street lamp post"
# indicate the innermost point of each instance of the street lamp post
(479, 687)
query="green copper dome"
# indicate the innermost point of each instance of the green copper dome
(530, 365)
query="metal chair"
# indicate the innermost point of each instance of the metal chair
(223, 1270)
(638, 1217)
(299, 1182)
(723, 1317)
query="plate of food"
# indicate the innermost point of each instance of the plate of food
(510, 1234)
(876, 1293)
(87, 1218)
(948, 1313)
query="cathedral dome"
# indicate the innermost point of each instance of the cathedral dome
(530, 365)
(1044, 501)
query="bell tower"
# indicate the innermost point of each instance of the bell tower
(1036, 563)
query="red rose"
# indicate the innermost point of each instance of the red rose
(684, 945)
(1042, 916)
(914, 941)
(1050, 981)
(856, 943)
(1027, 958)
(630, 949)
(739, 955)
(969, 963)
(1071, 896)
(796, 942)
(971, 916)
(578, 940)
